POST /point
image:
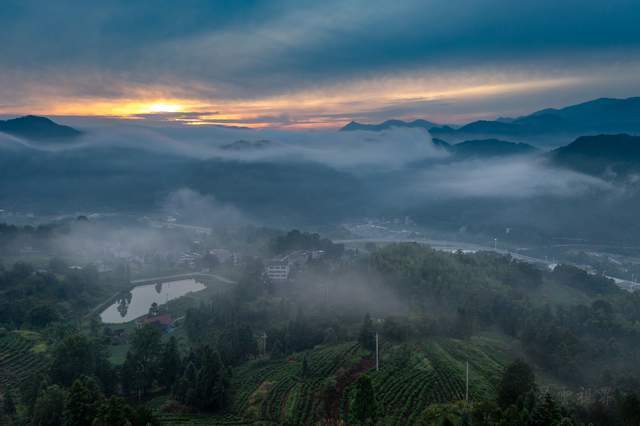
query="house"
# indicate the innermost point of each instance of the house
(163, 321)
(277, 270)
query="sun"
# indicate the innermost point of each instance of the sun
(164, 107)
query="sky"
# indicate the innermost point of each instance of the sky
(309, 64)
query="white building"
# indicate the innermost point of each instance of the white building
(277, 270)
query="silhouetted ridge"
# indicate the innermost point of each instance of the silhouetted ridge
(601, 155)
(37, 128)
(423, 124)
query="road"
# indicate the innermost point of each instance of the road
(166, 278)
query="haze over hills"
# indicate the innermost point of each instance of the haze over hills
(544, 127)
(37, 128)
(477, 184)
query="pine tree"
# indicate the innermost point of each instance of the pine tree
(82, 402)
(546, 412)
(114, 411)
(364, 408)
(49, 408)
(517, 380)
(170, 364)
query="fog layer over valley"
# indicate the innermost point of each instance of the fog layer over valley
(314, 178)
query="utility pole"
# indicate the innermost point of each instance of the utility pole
(466, 390)
(377, 355)
(264, 343)
(326, 293)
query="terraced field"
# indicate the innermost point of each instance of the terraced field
(20, 356)
(439, 377)
(277, 392)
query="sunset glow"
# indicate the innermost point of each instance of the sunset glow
(318, 108)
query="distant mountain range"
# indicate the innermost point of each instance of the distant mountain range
(607, 156)
(599, 116)
(424, 124)
(243, 145)
(37, 128)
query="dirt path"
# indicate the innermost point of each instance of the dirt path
(343, 382)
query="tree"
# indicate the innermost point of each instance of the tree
(144, 417)
(210, 389)
(114, 411)
(204, 383)
(49, 408)
(143, 360)
(8, 405)
(367, 337)
(154, 310)
(246, 342)
(364, 408)
(517, 380)
(183, 391)
(31, 389)
(629, 406)
(545, 412)
(75, 356)
(170, 364)
(43, 315)
(82, 403)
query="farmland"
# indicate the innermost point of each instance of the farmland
(281, 391)
(21, 355)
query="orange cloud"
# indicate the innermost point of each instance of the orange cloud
(315, 108)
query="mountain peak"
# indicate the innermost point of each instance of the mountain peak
(35, 127)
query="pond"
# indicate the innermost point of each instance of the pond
(137, 302)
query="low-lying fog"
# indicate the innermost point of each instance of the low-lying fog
(265, 175)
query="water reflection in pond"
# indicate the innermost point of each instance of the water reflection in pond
(136, 303)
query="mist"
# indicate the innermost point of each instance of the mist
(214, 176)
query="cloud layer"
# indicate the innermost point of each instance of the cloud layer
(312, 63)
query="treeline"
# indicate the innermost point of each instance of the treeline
(39, 297)
(296, 240)
(578, 342)
(14, 238)
(229, 325)
(520, 402)
(80, 386)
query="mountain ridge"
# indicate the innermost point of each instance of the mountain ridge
(597, 116)
(37, 128)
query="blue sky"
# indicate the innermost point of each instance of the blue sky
(314, 64)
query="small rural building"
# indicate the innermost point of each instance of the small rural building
(277, 270)
(162, 321)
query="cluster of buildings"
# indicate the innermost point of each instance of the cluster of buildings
(280, 269)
